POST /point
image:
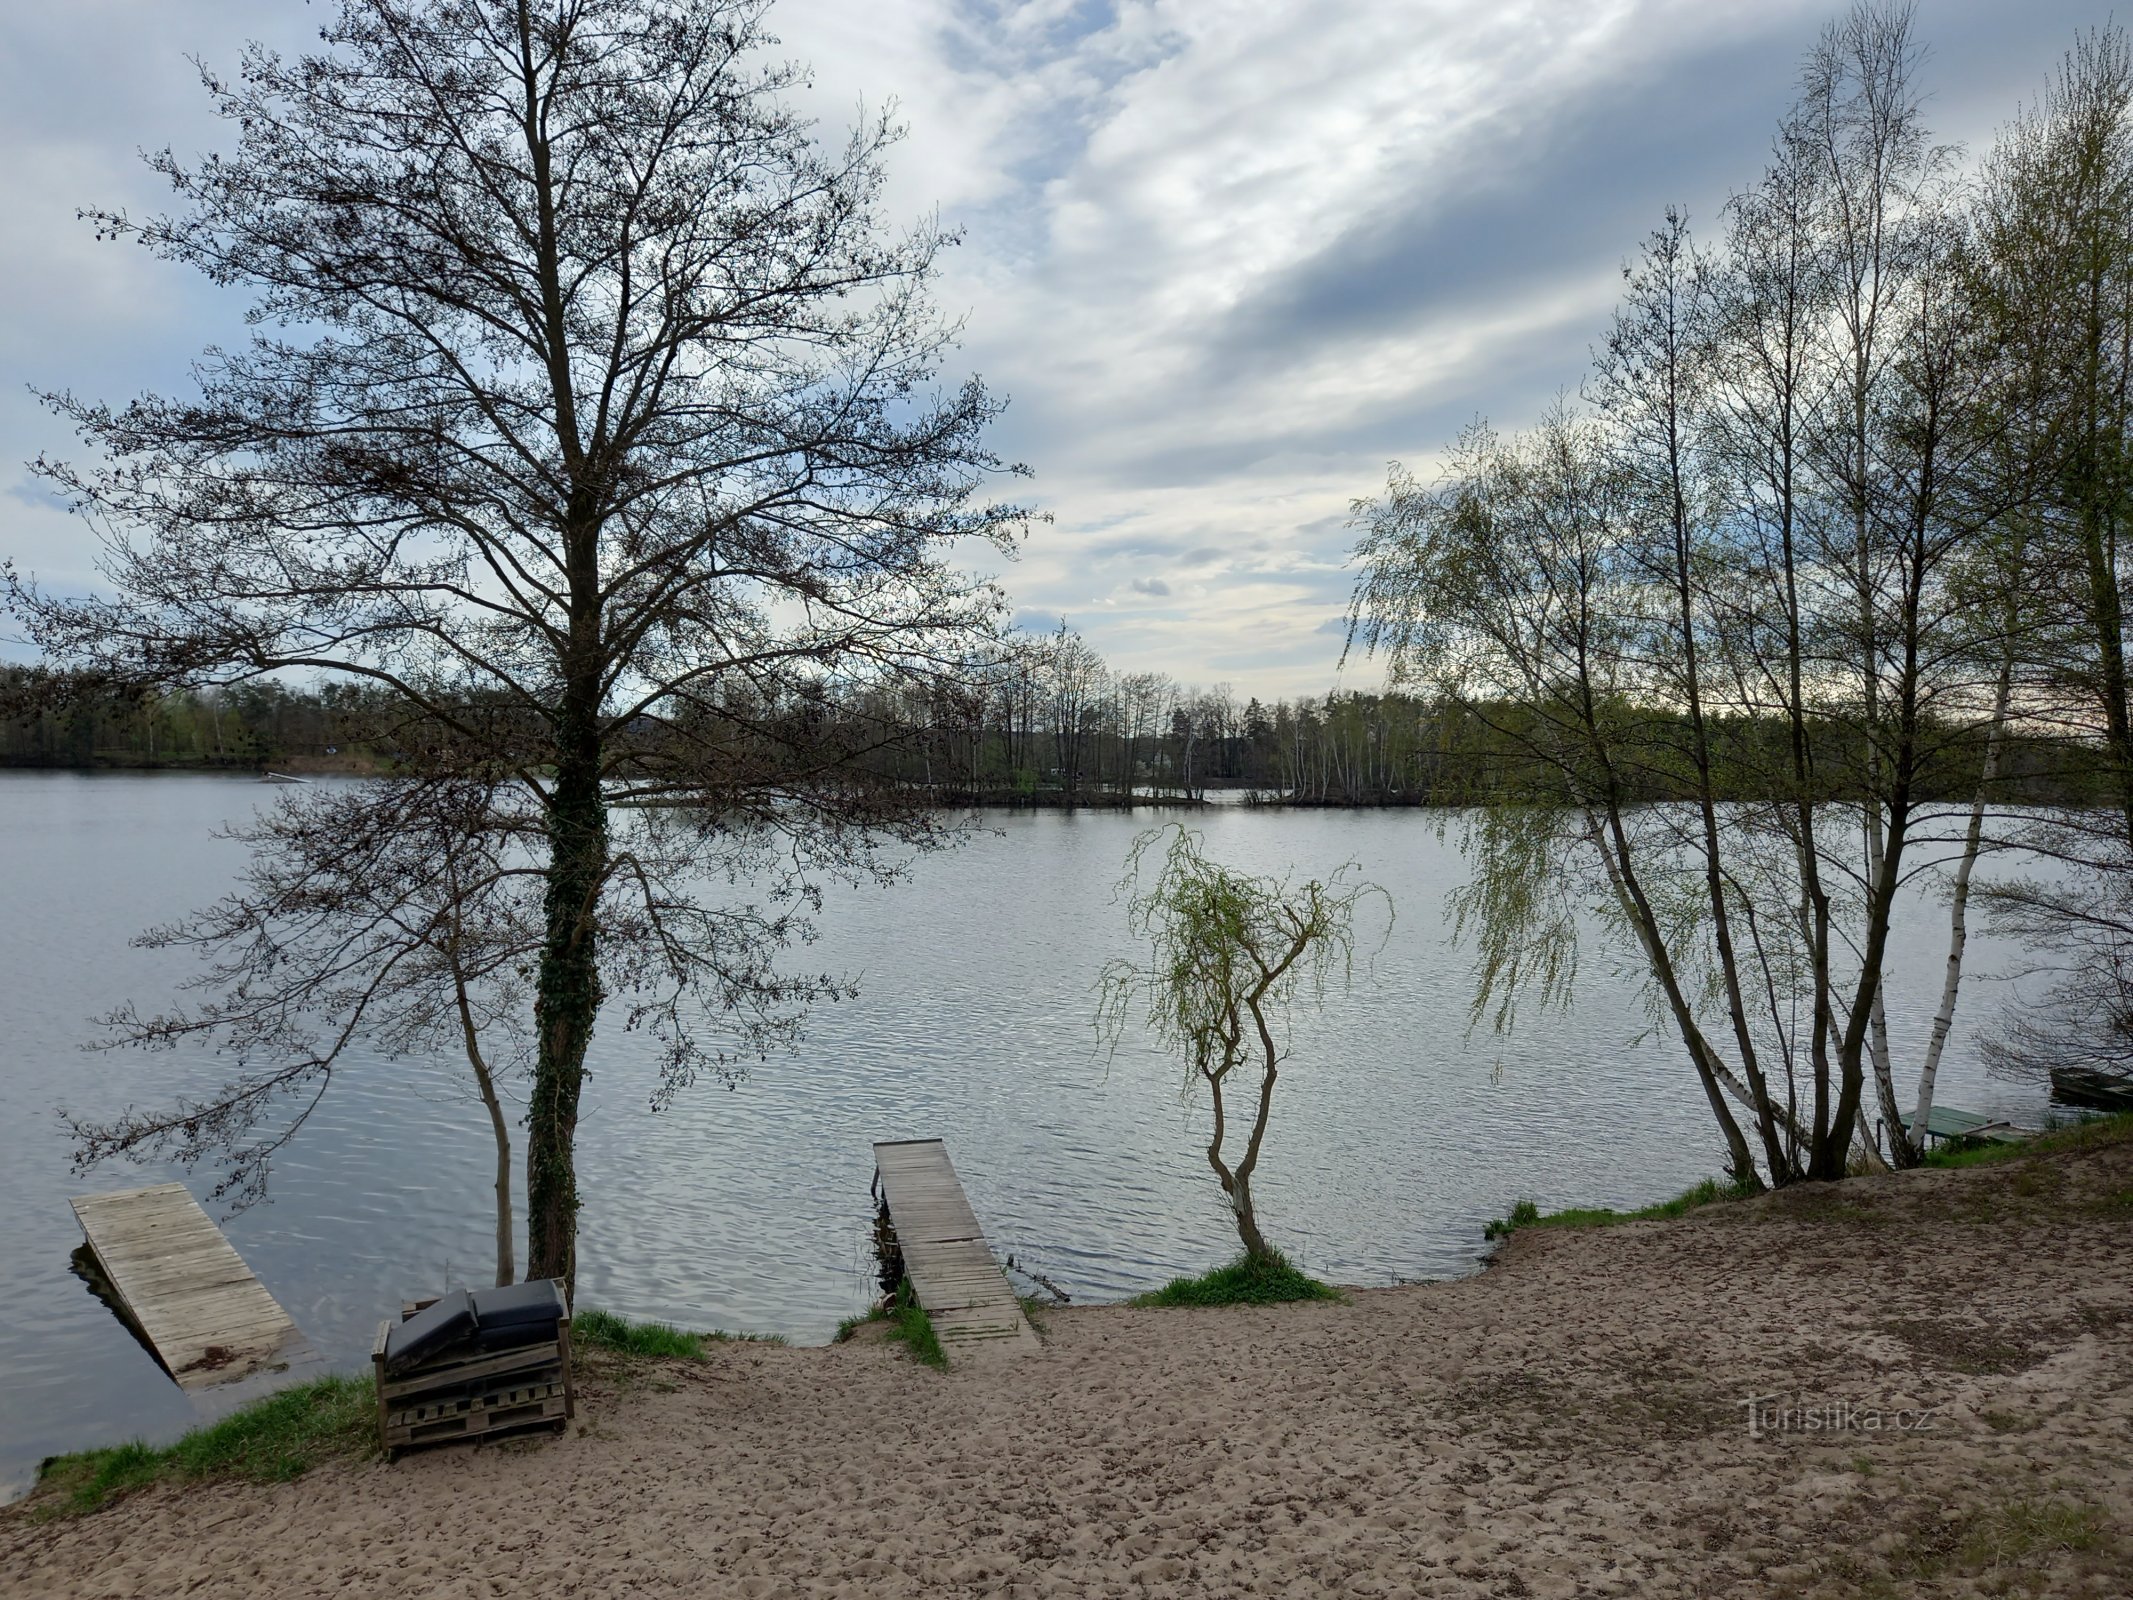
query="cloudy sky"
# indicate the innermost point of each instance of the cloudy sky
(1227, 257)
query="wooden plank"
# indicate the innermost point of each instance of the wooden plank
(474, 1403)
(473, 1369)
(208, 1319)
(951, 1268)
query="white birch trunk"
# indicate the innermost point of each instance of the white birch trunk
(1958, 909)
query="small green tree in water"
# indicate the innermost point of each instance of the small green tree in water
(1229, 958)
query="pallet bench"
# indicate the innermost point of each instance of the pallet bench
(469, 1393)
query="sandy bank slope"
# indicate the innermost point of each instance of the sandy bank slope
(1573, 1422)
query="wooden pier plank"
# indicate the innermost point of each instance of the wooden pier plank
(209, 1320)
(951, 1268)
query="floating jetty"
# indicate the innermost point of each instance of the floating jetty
(1950, 1124)
(186, 1292)
(950, 1266)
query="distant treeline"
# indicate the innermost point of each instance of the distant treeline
(243, 726)
(1049, 726)
(1056, 726)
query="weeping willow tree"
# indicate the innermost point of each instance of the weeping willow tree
(1229, 958)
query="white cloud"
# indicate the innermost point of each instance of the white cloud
(1227, 256)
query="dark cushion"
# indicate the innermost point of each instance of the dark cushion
(514, 1304)
(433, 1331)
(515, 1315)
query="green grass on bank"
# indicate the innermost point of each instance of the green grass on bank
(1247, 1281)
(2093, 1134)
(1526, 1214)
(618, 1335)
(268, 1441)
(1034, 1306)
(909, 1326)
(283, 1435)
(851, 1325)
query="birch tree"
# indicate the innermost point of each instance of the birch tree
(1730, 619)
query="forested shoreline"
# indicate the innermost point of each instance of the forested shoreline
(241, 727)
(1049, 725)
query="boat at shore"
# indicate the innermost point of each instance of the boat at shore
(2093, 1088)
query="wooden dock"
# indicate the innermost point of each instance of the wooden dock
(189, 1295)
(1950, 1124)
(961, 1287)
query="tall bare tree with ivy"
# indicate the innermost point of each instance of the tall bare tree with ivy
(595, 411)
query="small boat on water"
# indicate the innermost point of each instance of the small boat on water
(280, 777)
(2092, 1087)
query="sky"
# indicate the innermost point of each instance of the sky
(1225, 258)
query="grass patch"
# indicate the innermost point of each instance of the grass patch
(2028, 1534)
(908, 1323)
(1247, 1281)
(617, 1335)
(269, 1441)
(1033, 1309)
(2008, 1422)
(1526, 1214)
(2095, 1134)
(910, 1327)
(851, 1325)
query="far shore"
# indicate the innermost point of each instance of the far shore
(355, 766)
(1919, 1384)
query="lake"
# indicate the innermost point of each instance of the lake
(1395, 1135)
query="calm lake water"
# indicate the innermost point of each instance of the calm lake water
(1395, 1136)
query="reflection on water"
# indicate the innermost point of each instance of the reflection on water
(85, 1266)
(1394, 1138)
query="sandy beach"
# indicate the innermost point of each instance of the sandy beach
(1945, 1362)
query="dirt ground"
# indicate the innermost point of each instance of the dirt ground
(1943, 1363)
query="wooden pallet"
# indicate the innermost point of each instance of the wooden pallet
(480, 1414)
(473, 1395)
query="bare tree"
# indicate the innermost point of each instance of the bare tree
(1075, 682)
(1143, 699)
(592, 409)
(399, 915)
